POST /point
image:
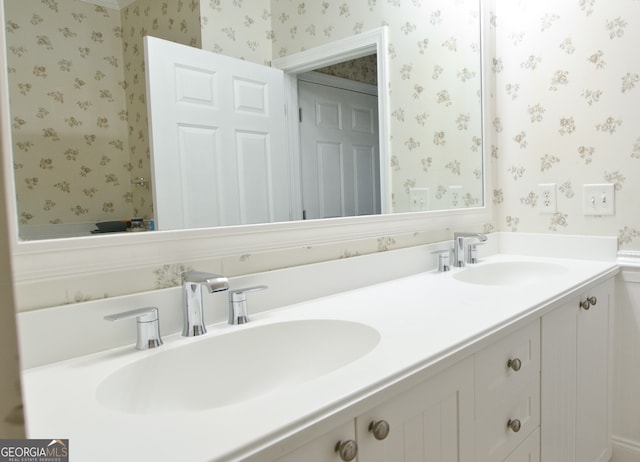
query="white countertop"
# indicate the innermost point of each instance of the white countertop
(424, 321)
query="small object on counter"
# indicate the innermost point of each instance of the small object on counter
(110, 227)
(137, 224)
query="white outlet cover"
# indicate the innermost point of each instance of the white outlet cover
(548, 201)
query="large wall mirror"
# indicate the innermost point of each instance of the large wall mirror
(78, 103)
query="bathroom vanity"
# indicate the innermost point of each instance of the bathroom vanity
(505, 360)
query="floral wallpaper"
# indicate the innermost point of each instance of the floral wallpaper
(363, 70)
(567, 82)
(78, 99)
(68, 112)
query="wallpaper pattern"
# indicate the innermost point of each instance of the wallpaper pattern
(567, 92)
(68, 112)
(78, 97)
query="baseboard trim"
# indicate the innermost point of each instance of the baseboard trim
(625, 450)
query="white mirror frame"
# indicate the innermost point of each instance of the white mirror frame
(65, 258)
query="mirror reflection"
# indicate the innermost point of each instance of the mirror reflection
(79, 104)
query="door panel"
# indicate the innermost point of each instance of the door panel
(218, 140)
(344, 125)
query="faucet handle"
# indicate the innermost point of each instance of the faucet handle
(148, 324)
(443, 259)
(472, 256)
(238, 313)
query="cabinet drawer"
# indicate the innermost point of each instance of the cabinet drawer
(496, 365)
(503, 425)
(529, 451)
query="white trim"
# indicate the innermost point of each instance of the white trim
(339, 82)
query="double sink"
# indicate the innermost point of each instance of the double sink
(256, 359)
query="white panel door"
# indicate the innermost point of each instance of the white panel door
(340, 159)
(218, 141)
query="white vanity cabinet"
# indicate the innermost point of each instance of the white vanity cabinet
(576, 378)
(540, 393)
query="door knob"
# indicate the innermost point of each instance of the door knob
(514, 425)
(379, 429)
(347, 450)
(514, 364)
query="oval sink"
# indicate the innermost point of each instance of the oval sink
(510, 273)
(235, 367)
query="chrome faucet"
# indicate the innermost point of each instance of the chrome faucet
(192, 284)
(458, 246)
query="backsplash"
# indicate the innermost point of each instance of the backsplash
(567, 92)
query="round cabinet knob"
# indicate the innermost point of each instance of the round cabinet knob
(514, 364)
(514, 425)
(379, 429)
(585, 305)
(347, 450)
(593, 300)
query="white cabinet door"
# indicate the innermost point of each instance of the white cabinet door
(593, 431)
(432, 422)
(218, 138)
(321, 449)
(576, 380)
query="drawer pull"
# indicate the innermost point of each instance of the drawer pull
(379, 429)
(593, 300)
(514, 425)
(585, 305)
(514, 364)
(347, 450)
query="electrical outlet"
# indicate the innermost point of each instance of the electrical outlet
(548, 198)
(419, 199)
(598, 199)
(455, 197)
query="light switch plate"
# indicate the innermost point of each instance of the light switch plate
(419, 199)
(598, 199)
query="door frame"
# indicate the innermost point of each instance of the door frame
(370, 42)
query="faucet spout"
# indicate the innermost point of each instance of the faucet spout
(458, 245)
(192, 284)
